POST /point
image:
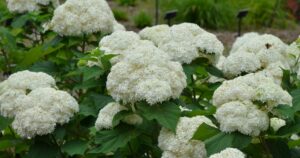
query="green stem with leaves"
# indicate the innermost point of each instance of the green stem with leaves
(265, 146)
(6, 59)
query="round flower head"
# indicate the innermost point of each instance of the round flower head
(106, 115)
(277, 123)
(181, 42)
(209, 46)
(180, 144)
(242, 40)
(244, 117)
(21, 6)
(242, 62)
(231, 91)
(262, 42)
(229, 153)
(27, 80)
(33, 121)
(272, 94)
(59, 104)
(118, 43)
(16, 86)
(78, 17)
(159, 34)
(146, 73)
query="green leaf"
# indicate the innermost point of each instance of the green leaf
(111, 140)
(284, 111)
(4, 122)
(286, 81)
(205, 131)
(296, 99)
(75, 147)
(37, 52)
(278, 148)
(166, 114)
(215, 71)
(20, 21)
(92, 72)
(41, 148)
(222, 141)
(119, 116)
(8, 142)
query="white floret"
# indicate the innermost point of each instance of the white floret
(27, 80)
(106, 115)
(208, 43)
(33, 121)
(277, 123)
(61, 105)
(229, 153)
(244, 117)
(239, 63)
(9, 105)
(180, 144)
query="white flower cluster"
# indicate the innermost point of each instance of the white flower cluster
(30, 98)
(229, 153)
(106, 116)
(119, 42)
(253, 52)
(21, 6)
(277, 123)
(180, 145)
(145, 74)
(184, 42)
(77, 17)
(236, 100)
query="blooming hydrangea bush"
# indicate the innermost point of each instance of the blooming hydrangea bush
(162, 92)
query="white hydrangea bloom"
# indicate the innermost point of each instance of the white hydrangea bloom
(252, 87)
(17, 85)
(182, 42)
(118, 43)
(33, 121)
(272, 94)
(106, 115)
(159, 34)
(27, 80)
(232, 91)
(180, 51)
(146, 73)
(262, 42)
(242, 40)
(21, 6)
(77, 17)
(133, 119)
(244, 117)
(8, 102)
(208, 44)
(229, 153)
(239, 63)
(294, 137)
(277, 123)
(61, 105)
(118, 27)
(180, 144)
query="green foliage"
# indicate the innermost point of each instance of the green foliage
(218, 14)
(142, 20)
(127, 2)
(120, 15)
